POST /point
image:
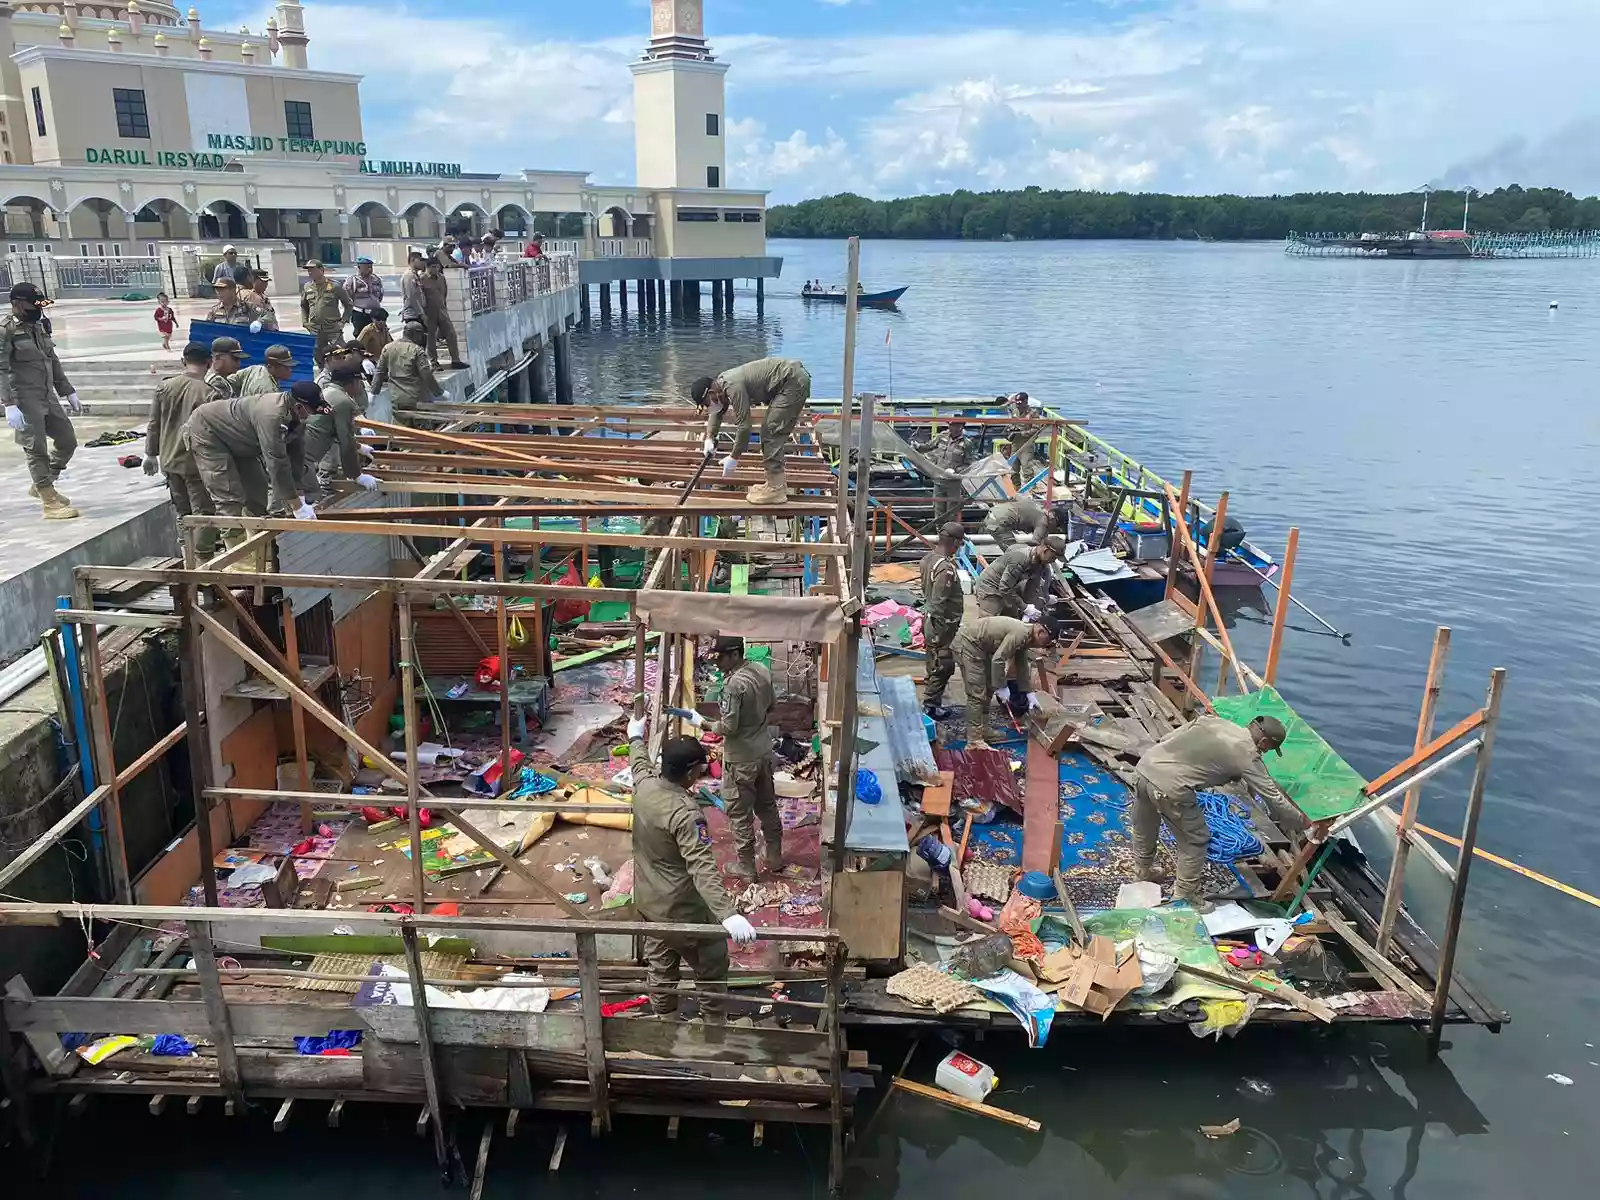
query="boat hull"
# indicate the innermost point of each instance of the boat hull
(864, 300)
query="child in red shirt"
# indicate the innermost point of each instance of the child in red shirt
(166, 320)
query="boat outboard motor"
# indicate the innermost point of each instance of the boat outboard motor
(1233, 533)
(1061, 516)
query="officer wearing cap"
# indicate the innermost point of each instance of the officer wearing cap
(993, 653)
(274, 370)
(1205, 754)
(435, 292)
(1011, 583)
(231, 308)
(747, 786)
(1026, 521)
(227, 357)
(166, 452)
(364, 293)
(331, 449)
(782, 386)
(323, 306)
(32, 384)
(248, 444)
(258, 300)
(675, 875)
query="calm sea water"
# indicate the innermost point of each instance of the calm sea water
(1432, 429)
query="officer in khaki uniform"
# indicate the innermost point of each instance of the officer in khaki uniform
(1207, 753)
(269, 375)
(403, 368)
(942, 607)
(435, 289)
(331, 449)
(166, 451)
(233, 309)
(747, 790)
(227, 357)
(1009, 584)
(323, 308)
(675, 873)
(258, 299)
(244, 445)
(782, 385)
(993, 653)
(952, 451)
(31, 379)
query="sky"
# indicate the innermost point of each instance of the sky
(901, 97)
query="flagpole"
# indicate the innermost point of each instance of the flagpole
(888, 340)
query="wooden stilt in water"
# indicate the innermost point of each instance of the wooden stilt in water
(408, 701)
(192, 1105)
(335, 1113)
(482, 1168)
(559, 1150)
(158, 1105)
(281, 1121)
(1280, 614)
(430, 1066)
(205, 965)
(1469, 841)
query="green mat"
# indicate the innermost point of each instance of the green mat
(1320, 783)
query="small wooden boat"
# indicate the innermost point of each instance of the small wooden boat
(863, 299)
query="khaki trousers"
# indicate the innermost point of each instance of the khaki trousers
(1181, 811)
(707, 959)
(47, 438)
(748, 795)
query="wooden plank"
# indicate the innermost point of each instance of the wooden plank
(156, 752)
(860, 904)
(134, 620)
(335, 1113)
(281, 1121)
(105, 761)
(1161, 621)
(43, 844)
(714, 1043)
(482, 1167)
(67, 1014)
(950, 1100)
(297, 716)
(560, 1148)
(594, 1052)
(1041, 808)
(219, 1026)
(408, 708)
(549, 1031)
(420, 1012)
(1432, 686)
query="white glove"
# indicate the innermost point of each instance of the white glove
(369, 433)
(729, 465)
(368, 367)
(14, 417)
(255, 326)
(1033, 701)
(305, 512)
(695, 719)
(1030, 613)
(708, 446)
(740, 930)
(152, 465)
(369, 482)
(366, 449)
(74, 403)
(635, 728)
(1003, 696)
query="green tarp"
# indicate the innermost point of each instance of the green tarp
(1320, 783)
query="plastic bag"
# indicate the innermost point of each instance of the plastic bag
(982, 958)
(1023, 1000)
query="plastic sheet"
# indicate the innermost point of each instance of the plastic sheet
(1321, 784)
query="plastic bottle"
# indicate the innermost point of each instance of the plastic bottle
(966, 1077)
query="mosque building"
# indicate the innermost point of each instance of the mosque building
(128, 129)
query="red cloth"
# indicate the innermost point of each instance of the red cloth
(622, 1006)
(166, 319)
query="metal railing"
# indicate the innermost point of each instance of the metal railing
(510, 282)
(481, 288)
(100, 274)
(624, 247)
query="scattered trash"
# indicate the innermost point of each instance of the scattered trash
(598, 871)
(577, 897)
(868, 790)
(1557, 1077)
(982, 957)
(1259, 1087)
(171, 1045)
(622, 1006)
(1221, 1131)
(1138, 895)
(96, 1053)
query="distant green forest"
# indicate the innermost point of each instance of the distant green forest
(1035, 213)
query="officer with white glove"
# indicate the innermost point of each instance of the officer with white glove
(1030, 613)
(247, 445)
(675, 876)
(708, 446)
(32, 386)
(370, 482)
(304, 512)
(729, 466)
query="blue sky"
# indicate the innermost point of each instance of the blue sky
(896, 97)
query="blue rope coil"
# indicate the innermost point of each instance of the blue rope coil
(1231, 835)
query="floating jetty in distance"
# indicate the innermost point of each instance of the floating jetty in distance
(1446, 243)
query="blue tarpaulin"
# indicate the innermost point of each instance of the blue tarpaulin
(255, 344)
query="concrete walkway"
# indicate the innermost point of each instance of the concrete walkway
(125, 516)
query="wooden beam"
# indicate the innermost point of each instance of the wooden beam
(82, 616)
(1174, 562)
(41, 845)
(94, 688)
(205, 965)
(1395, 891)
(297, 717)
(156, 752)
(559, 1149)
(1280, 613)
(281, 1121)
(482, 1167)
(950, 1100)
(1205, 582)
(430, 1066)
(1460, 729)
(408, 701)
(594, 1052)
(414, 585)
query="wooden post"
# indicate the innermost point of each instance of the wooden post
(503, 648)
(408, 702)
(430, 1066)
(1395, 892)
(847, 392)
(94, 690)
(594, 1050)
(1201, 609)
(1280, 614)
(205, 966)
(1469, 842)
(640, 642)
(1174, 543)
(191, 670)
(297, 716)
(836, 1066)
(1050, 477)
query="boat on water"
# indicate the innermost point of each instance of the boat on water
(864, 299)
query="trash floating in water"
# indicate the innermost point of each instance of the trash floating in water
(1253, 1086)
(1221, 1131)
(1558, 1077)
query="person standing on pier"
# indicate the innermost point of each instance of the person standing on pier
(403, 368)
(747, 786)
(1024, 441)
(228, 268)
(244, 446)
(375, 335)
(231, 308)
(675, 876)
(942, 609)
(1207, 753)
(953, 452)
(993, 653)
(1011, 583)
(258, 299)
(783, 385)
(323, 308)
(32, 386)
(165, 450)
(436, 314)
(363, 292)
